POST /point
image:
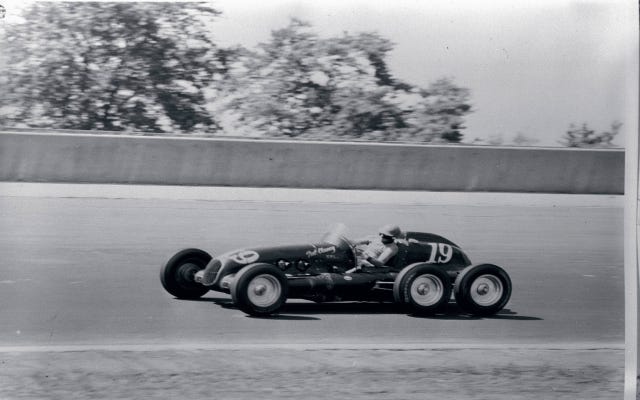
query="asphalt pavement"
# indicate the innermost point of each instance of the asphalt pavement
(79, 271)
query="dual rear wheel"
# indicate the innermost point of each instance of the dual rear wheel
(422, 288)
(482, 289)
(425, 289)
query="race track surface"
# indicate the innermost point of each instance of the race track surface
(80, 263)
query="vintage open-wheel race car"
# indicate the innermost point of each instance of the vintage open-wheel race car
(421, 277)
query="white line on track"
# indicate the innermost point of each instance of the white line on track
(307, 346)
(287, 195)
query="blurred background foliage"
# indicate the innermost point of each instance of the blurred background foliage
(155, 68)
(110, 66)
(152, 67)
(301, 85)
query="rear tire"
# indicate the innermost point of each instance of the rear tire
(178, 274)
(422, 288)
(259, 289)
(482, 289)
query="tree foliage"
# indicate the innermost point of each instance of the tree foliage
(110, 66)
(583, 136)
(153, 67)
(300, 85)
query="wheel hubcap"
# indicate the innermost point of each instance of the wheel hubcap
(483, 289)
(260, 290)
(423, 289)
(427, 290)
(486, 290)
(264, 290)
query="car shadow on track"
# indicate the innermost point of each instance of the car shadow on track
(508, 314)
(299, 311)
(341, 308)
(227, 303)
(453, 312)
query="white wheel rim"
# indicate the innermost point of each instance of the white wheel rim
(427, 290)
(264, 290)
(486, 290)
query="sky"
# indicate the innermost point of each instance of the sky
(533, 67)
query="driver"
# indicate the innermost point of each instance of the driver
(379, 250)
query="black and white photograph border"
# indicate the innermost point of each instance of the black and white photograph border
(632, 263)
(489, 132)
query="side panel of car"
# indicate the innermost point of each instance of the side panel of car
(337, 287)
(309, 259)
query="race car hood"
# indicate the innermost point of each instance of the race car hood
(291, 259)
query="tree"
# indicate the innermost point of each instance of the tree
(439, 115)
(300, 85)
(110, 66)
(583, 136)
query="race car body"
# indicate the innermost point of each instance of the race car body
(421, 276)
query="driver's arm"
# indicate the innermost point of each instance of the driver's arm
(384, 257)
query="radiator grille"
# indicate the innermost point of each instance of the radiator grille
(210, 272)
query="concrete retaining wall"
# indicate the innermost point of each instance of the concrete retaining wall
(232, 162)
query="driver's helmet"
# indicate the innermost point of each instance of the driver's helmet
(390, 230)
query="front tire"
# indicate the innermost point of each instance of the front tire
(482, 289)
(259, 289)
(178, 274)
(422, 288)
